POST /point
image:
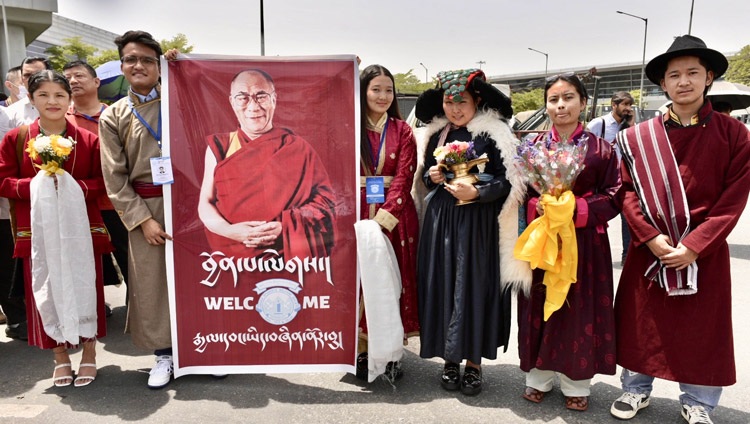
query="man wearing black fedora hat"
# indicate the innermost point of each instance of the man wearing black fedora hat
(686, 177)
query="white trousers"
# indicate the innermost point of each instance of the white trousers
(543, 381)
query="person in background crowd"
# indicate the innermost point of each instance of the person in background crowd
(607, 127)
(388, 150)
(722, 107)
(23, 111)
(576, 341)
(12, 308)
(85, 113)
(466, 251)
(130, 132)
(20, 111)
(686, 177)
(14, 84)
(50, 94)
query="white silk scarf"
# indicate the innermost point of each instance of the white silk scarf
(62, 259)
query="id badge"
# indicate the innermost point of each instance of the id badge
(161, 170)
(375, 190)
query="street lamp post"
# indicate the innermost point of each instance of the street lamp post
(481, 62)
(643, 64)
(262, 32)
(425, 72)
(546, 59)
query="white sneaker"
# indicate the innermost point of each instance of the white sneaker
(695, 415)
(161, 373)
(627, 405)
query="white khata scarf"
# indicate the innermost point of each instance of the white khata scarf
(62, 259)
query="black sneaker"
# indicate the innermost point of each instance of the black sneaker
(17, 331)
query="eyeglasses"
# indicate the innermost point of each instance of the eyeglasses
(261, 98)
(145, 60)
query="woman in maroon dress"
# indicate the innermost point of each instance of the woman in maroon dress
(577, 341)
(388, 149)
(50, 93)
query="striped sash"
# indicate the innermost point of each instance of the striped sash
(648, 155)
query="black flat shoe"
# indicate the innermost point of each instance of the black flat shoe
(393, 370)
(362, 366)
(451, 376)
(472, 382)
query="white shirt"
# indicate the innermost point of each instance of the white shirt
(611, 128)
(19, 113)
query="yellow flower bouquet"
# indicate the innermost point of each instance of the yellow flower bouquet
(549, 242)
(54, 151)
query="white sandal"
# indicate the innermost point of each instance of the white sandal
(85, 380)
(58, 380)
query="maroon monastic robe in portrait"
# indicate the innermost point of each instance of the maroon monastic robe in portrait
(688, 338)
(578, 340)
(276, 177)
(399, 160)
(84, 164)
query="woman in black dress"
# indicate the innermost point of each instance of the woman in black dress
(465, 262)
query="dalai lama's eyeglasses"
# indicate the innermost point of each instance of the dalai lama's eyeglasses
(262, 98)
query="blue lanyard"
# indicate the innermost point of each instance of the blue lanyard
(376, 159)
(156, 135)
(91, 118)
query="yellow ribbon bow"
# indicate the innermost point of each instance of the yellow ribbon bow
(549, 243)
(51, 167)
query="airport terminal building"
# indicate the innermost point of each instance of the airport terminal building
(32, 27)
(611, 78)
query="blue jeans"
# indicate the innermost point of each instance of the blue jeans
(692, 394)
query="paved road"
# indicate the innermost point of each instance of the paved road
(120, 395)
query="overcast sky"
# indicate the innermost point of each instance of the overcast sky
(400, 34)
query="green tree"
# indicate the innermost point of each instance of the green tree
(73, 49)
(409, 83)
(103, 57)
(179, 42)
(527, 100)
(739, 67)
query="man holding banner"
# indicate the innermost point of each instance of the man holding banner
(130, 139)
(287, 208)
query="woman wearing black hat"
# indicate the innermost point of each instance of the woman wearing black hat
(466, 250)
(686, 177)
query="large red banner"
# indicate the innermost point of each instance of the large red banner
(262, 269)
